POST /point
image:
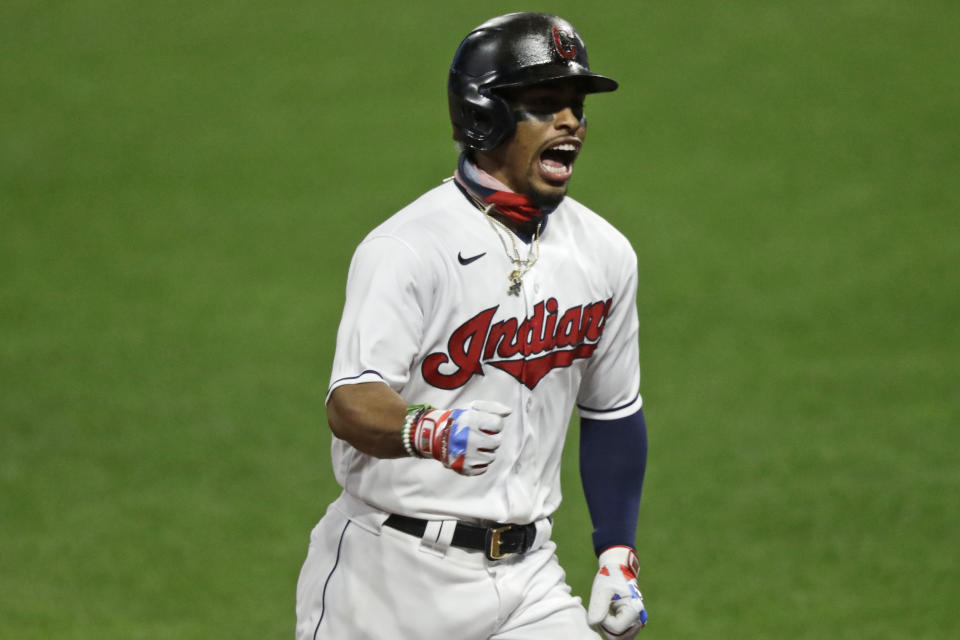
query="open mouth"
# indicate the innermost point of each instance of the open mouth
(556, 161)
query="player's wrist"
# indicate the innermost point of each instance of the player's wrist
(616, 549)
(622, 555)
(408, 430)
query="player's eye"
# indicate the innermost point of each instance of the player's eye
(551, 106)
(545, 105)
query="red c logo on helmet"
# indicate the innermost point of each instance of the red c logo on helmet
(567, 52)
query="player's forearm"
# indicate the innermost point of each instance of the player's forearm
(369, 416)
(613, 460)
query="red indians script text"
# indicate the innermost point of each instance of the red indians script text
(544, 341)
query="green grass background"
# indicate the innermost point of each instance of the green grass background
(181, 187)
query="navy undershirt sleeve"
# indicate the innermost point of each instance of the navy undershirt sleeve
(613, 459)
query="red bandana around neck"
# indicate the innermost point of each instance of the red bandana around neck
(515, 206)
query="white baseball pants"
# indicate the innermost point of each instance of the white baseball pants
(365, 581)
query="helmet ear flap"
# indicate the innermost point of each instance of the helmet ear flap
(481, 120)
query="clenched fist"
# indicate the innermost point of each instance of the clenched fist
(465, 440)
(616, 606)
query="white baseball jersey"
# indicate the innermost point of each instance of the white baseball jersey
(428, 312)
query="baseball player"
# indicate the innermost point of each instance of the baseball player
(475, 319)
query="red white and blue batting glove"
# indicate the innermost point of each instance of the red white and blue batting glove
(465, 440)
(616, 606)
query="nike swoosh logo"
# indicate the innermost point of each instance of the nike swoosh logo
(466, 261)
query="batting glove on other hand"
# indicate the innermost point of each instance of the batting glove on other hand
(616, 606)
(465, 440)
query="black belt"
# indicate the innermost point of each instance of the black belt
(496, 542)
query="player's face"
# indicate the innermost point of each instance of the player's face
(538, 159)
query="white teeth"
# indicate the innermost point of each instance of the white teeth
(565, 147)
(560, 169)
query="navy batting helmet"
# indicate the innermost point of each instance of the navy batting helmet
(515, 50)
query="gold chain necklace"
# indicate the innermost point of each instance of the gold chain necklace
(522, 264)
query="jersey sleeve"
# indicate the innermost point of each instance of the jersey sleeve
(382, 322)
(610, 388)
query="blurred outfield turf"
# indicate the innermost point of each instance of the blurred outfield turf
(181, 187)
